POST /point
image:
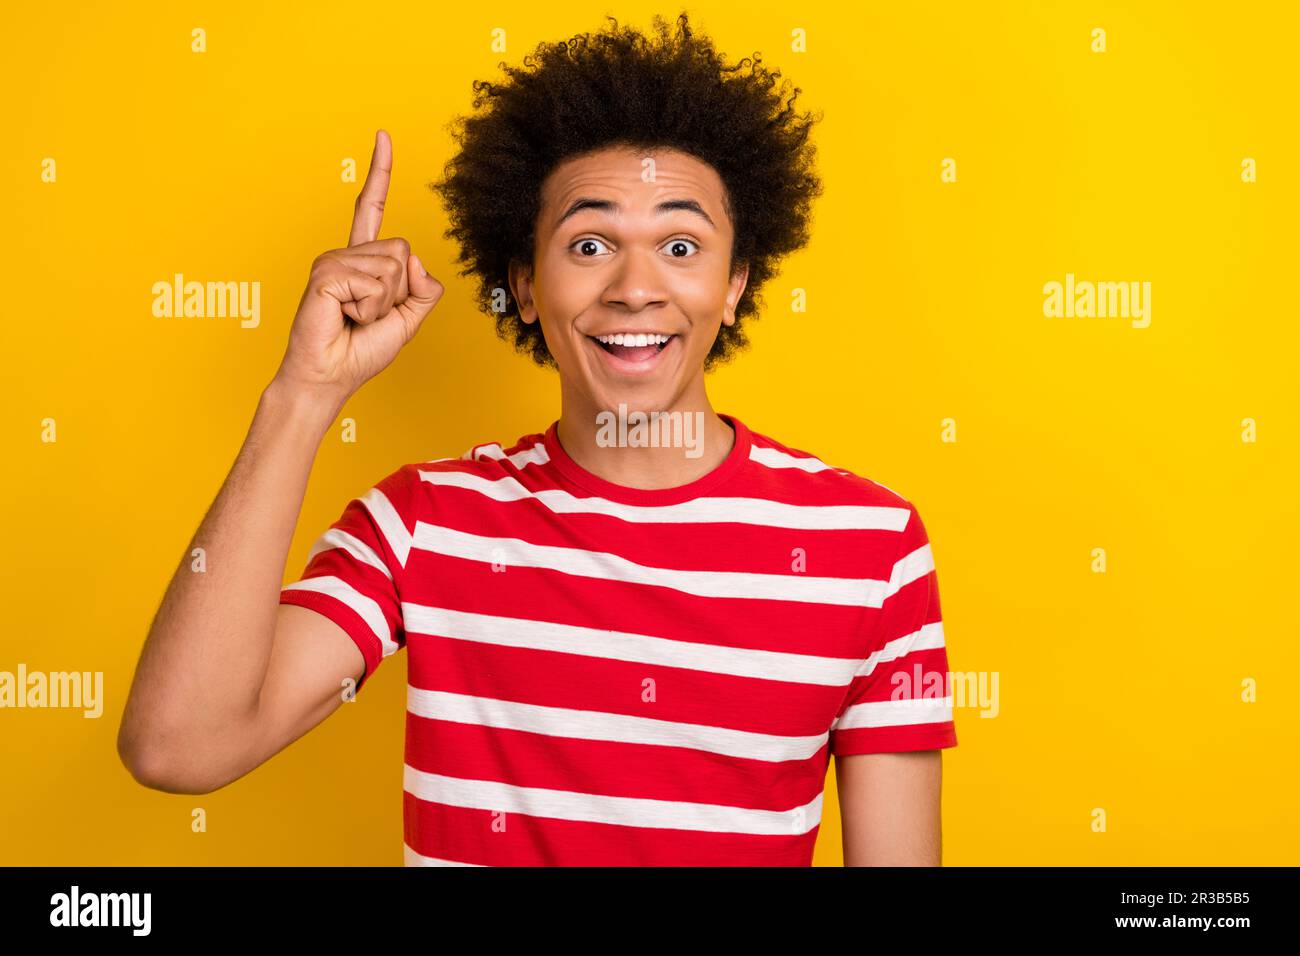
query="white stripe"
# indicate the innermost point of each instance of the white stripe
(536, 455)
(909, 568)
(926, 638)
(411, 858)
(600, 725)
(599, 808)
(390, 523)
(775, 458)
(338, 538)
(622, 646)
(758, 511)
(896, 713)
(367, 608)
(853, 592)
(530, 456)
(484, 451)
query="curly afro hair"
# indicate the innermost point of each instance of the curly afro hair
(617, 88)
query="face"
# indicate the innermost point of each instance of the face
(631, 277)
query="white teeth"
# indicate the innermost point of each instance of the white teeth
(630, 340)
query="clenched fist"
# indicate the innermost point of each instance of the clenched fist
(362, 303)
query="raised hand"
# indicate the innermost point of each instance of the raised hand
(362, 302)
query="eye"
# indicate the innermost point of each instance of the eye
(674, 244)
(583, 244)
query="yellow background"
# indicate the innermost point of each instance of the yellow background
(1119, 691)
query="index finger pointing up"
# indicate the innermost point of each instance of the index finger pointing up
(370, 204)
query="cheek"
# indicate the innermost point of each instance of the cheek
(708, 285)
(563, 292)
(702, 297)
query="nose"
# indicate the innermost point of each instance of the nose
(637, 281)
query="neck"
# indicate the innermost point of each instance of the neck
(691, 440)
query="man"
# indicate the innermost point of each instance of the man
(635, 637)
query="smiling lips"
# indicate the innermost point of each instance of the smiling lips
(633, 347)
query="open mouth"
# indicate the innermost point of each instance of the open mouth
(633, 347)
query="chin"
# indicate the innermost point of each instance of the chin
(643, 397)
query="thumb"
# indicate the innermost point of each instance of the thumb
(424, 291)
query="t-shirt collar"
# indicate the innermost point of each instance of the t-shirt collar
(579, 476)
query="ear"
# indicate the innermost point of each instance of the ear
(738, 280)
(521, 287)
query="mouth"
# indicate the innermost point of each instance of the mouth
(633, 352)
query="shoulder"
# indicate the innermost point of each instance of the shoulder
(799, 472)
(488, 456)
(489, 460)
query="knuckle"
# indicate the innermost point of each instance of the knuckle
(323, 266)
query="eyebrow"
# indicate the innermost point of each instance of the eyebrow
(609, 206)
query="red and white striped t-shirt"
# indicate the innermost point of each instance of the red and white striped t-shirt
(602, 676)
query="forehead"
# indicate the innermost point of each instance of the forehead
(620, 173)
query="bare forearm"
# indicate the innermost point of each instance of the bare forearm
(204, 661)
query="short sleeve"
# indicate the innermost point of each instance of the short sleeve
(900, 697)
(354, 569)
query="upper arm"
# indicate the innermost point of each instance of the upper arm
(312, 663)
(896, 718)
(340, 619)
(890, 808)
(353, 571)
(314, 666)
